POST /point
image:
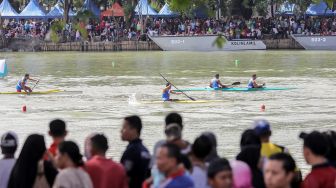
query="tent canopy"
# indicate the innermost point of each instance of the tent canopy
(57, 11)
(32, 10)
(6, 10)
(143, 8)
(116, 10)
(287, 8)
(90, 6)
(166, 12)
(320, 9)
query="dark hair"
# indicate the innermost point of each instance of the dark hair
(8, 149)
(134, 122)
(254, 75)
(201, 147)
(26, 75)
(99, 142)
(288, 163)
(331, 138)
(71, 148)
(174, 118)
(250, 155)
(25, 169)
(57, 127)
(167, 84)
(316, 142)
(216, 75)
(213, 153)
(248, 138)
(173, 152)
(217, 166)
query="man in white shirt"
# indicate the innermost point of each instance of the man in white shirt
(8, 145)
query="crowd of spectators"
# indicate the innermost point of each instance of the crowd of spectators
(109, 29)
(175, 162)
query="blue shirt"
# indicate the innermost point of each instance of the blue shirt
(180, 181)
(18, 85)
(166, 95)
(214, 83)
(250, 84)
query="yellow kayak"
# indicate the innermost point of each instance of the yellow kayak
(33, 93)
(181, 101)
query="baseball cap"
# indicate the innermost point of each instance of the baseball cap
(316, 142)
(173, 132)
(9, 142)
(261, 127)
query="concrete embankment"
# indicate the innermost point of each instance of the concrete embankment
(18, 44)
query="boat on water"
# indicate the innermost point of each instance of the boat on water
(316, 42)
(3, 68)
(204, 43)
(32, 93)
(235, 89)
(180, 101)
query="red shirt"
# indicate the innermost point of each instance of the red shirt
(321, 176)
(52, 150)
(106, 173)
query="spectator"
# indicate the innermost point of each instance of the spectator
(315, 148)
(9, 143)
(279, 171)
(30, 170)
(200, 150)
(136, 157)
(251, 156)
(213, 155)
(331, 154)
(169, 163)
(104, 172)
(242, 176)
(220, 174)
(263, 130)
(69, 160)
(57, 130)
(249, 138)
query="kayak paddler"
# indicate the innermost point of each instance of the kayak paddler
(22, 84)
(253, 82)
(166, 93)
(216, 83)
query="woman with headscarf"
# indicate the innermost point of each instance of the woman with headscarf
(69, 160)
(251, 156)
(30, 170)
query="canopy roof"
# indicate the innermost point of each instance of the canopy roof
(287, 8)
(57, 11)
(166, 12)
(90, 6)
(320, 9)
(116, 10)
(6, 10)
(143, 8)
(32, 10)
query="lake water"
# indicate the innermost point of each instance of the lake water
(112, 86)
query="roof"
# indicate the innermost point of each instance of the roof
(116, 10)
(166, 12)
(6, 9)
(32, 10)
(143, 8)
(320, 9)
(92, 7)
(57, 11)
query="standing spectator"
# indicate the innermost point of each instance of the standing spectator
(169, 163)
(213, 155)
(136, 157)
(220, 174)
(57, 130)
(104, 172)
(315, 147)
(30, 170)
(9, 142)
(242, 176)
(279, 171)
(69, 160)
(200, 150)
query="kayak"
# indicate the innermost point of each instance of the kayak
(33, 93)
(180, 101)
(234, 89)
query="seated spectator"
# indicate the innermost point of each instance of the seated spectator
(315, 148)
(57, 130)
(242, 176)
(9, 143)
(69, 160)
(30, 170)
(200, 150)
(251, 156)
(136, 158)
(168, 162)
(104, 172)
(279, 171)
(220, 174)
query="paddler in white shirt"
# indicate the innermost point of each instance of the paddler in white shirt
(22, 84)
(253, 82)
(216, 83)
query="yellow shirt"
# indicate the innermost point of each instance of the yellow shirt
(268, 149)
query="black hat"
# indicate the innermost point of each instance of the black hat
(316, 142)
(9, 142)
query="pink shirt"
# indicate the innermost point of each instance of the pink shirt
(106, 173)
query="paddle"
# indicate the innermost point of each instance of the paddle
(235, 83)
(35, 85)
(177, 88)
